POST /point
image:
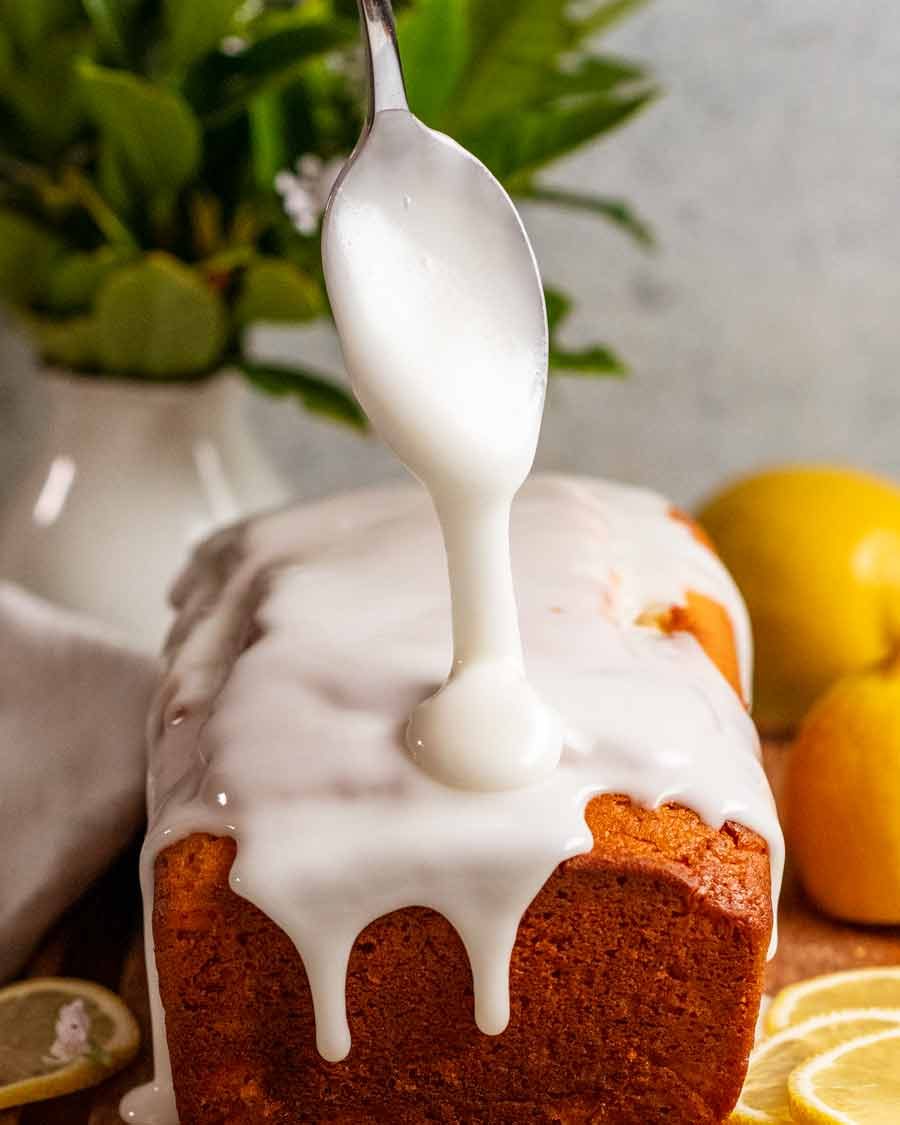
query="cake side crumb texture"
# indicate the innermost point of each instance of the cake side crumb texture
(635, 983)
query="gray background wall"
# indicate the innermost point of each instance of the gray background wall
(766, 327)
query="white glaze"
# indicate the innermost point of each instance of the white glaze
(294, 747)
(438, 303)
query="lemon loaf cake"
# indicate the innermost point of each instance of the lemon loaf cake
(334, 936)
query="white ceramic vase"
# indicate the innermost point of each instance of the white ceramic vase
(127, 477)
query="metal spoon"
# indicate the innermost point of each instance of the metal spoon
(387, 89)
(438, 304)
(432, 200)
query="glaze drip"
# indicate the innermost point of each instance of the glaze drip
(305, 638)
(440, 312)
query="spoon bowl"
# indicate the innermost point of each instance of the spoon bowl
(435, 290)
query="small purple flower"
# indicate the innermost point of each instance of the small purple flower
(73, 1026)
(305, 190)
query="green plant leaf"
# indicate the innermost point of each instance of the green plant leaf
(157, 318)
(112, 178)
(276, 291)
(205, 211)
(70, 343)
(30, 22)
(73, 279)
(530, 58)
(318, 395)
(6, 60)
(513, 50)
(45, 96)
(595, 360)
(224, 85)
(80, 190)
(151, 129)
(130, 156)
(219, 267)
(268, 139)
(26, 253)
(617, 211)
(196, 26)
(608, 14)
(520, 145)
(434, 40)
(559, 305)
(110, 19)
(592, 74)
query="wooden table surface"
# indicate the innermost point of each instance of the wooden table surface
(100, 940)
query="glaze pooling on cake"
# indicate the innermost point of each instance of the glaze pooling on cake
(294, 745)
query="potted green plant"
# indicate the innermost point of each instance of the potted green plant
(163, 169)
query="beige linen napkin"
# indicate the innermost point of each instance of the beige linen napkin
(73, 704)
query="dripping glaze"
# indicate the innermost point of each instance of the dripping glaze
(294, 745)
(439, 308)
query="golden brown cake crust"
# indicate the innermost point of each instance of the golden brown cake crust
(635, 982)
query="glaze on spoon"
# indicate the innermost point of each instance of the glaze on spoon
(439, 307)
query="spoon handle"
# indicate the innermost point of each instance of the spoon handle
(386, 86)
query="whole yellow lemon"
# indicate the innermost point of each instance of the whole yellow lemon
(815, 551)
(842, 799)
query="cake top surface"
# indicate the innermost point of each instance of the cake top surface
(305, 638)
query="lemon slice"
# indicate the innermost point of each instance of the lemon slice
(764, 1098)
(855, 1083)
(855, 988)
(58, 1036)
